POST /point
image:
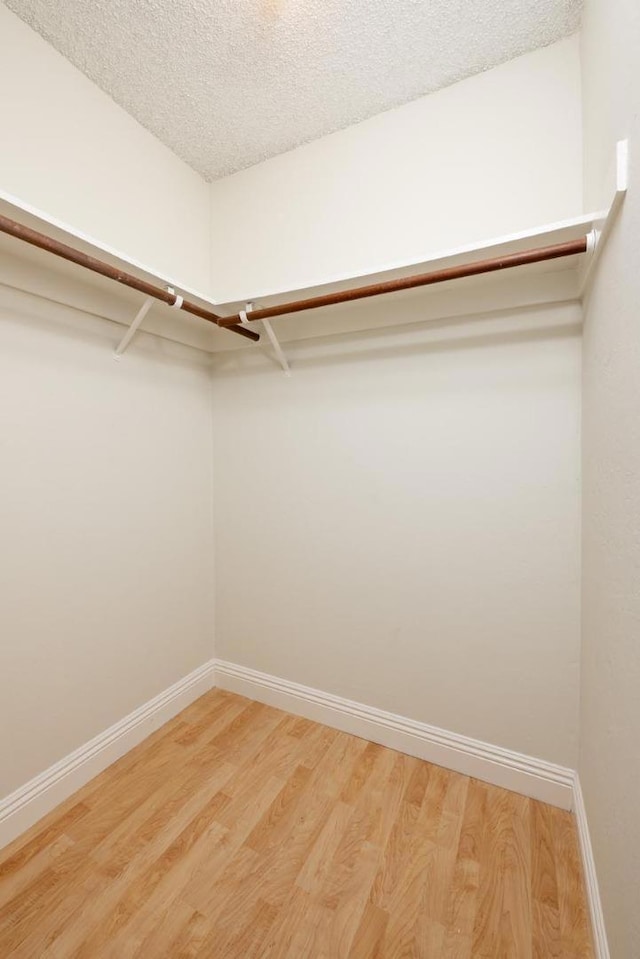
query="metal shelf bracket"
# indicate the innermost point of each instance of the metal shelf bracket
(273, 339)
(133, 329)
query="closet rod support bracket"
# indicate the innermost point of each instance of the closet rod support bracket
(273, 339)
(593, 238)
(133, 329)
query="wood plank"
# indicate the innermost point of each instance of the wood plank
(503, 919)
(546, 936)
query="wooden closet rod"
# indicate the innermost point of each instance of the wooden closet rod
(20, 232)
(571, 248)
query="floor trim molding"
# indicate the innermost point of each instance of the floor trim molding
(24, 807)
(600, 943)
(493, 764)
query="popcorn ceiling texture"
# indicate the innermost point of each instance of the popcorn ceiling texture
(228, 83)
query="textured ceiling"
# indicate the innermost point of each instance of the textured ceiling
(227, 83)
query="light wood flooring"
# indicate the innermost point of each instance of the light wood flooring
(241, 831)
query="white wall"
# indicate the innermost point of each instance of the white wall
(70, 151)
(105, 512)
(398, 523)
(496, 153)
(610, 714)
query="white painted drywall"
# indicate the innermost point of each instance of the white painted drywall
(493, 154)
(398, 522)
(105, 512)
(610, 698)
(70, 151)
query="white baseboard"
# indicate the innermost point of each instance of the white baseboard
(493, 764)
(24, 807)
(591, 880)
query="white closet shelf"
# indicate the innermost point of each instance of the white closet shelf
(555, 280)
(542, 236)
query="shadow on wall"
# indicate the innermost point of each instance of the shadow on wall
(70, 324)
(443, 335)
